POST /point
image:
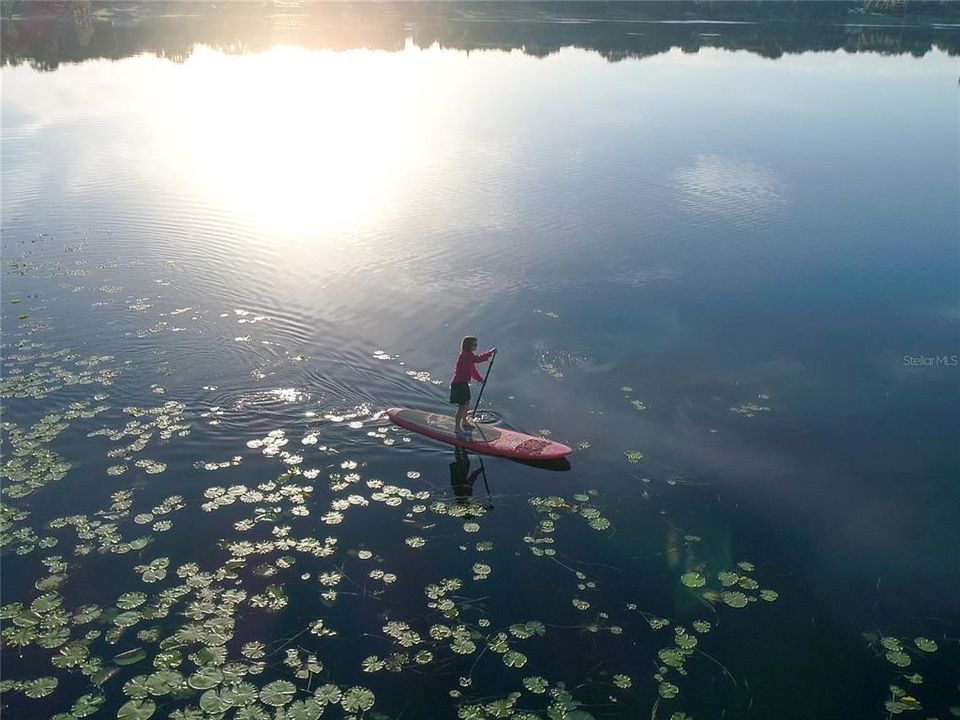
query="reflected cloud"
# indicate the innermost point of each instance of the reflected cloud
(734, 190)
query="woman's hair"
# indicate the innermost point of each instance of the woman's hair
(468, 343)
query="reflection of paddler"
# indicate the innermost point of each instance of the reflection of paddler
(461, 479)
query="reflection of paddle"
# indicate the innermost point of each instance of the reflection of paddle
(485, 378)
(483, 471)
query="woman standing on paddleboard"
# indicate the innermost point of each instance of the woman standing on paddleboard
(463, 373)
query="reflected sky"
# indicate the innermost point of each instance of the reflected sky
(303, 143)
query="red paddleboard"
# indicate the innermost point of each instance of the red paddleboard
(484, 439)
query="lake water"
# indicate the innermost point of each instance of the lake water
(718, 260)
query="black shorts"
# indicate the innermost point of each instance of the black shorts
(459, 393)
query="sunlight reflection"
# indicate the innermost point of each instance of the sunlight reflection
(300, 141)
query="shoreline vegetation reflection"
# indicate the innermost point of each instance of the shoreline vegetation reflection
(45, 34)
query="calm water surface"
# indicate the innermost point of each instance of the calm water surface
(742, 269)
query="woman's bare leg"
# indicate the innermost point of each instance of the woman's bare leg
(462, 417)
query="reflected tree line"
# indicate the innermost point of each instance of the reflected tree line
(45, 34)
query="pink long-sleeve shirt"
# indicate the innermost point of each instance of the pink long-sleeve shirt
(466, 369)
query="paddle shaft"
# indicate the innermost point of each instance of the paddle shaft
(485, 378)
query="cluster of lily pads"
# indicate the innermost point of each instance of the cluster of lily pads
(907, 684)
(29, 464)
(636, 404)
(751, 408)
(162, 422)
(423, 376)
(554, 361)
(733, 587)
(179, 639)
(35, 372)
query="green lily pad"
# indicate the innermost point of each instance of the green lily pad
(86, 705)
(925, 644)
(668, 690)
(536, 684)
(163, 682)
(672, 657)
(205, 678)
(308, 709)
(693, 580)
(357, 699)
(135, 688)
(239, 695)
(41, 687)
(212, 703)
(898, 658)
(127, 619)
(513, 658)
(891, 643)
(130, 657)
(734, 599)
(727, 578)
(137, 710)
(327, 694)
(131, 600)
(423, 657)
(463, 646)
(278, 693)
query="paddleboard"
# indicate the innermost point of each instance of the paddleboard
(483, 439)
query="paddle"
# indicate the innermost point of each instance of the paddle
(485, 378)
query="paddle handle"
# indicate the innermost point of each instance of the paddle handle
(485, 378)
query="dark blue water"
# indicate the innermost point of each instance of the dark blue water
(744, 269)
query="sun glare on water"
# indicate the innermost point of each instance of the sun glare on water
(299, 141)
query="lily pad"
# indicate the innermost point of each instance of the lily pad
(212, 703)
(668, 690)
(137, 710)
(130, 657)
(898, 658)
(512, 658)
(206, 678)
(536, 684)
(357, 699)
(727, 578)
(86, 705)
(734, 599)
(163, 682)
(41, 687)
(327, 694)
(278, 693)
